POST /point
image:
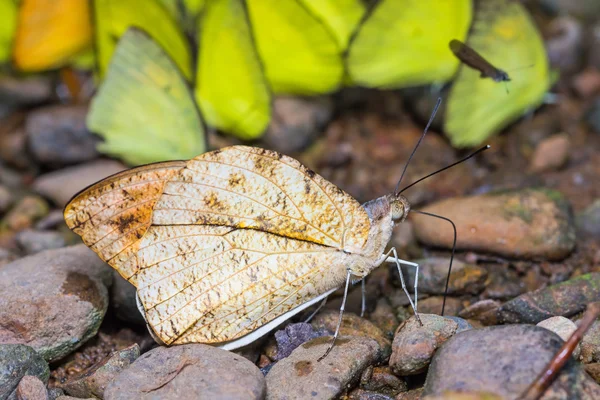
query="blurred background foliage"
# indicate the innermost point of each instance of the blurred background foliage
(229, 58)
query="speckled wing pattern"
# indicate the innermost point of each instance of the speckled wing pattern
(239, 237)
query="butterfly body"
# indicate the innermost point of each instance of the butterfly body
(473, 59)
(226, 246)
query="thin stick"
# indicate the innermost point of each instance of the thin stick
(547, 376)
(451, 256)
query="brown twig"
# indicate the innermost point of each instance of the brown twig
(544, 379)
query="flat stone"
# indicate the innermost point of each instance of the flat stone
(504, 360)
(17, 361)
(551, 153)
(414, 345)
(528, 223)
(60, 186)
(188, 371)
(563, 327)
(302, 376)
(54, 300)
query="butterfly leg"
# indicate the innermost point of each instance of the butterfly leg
(396, 260)
(339, 324)
(363, 304)
(311, 316)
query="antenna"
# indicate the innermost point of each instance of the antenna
(487, 146)
(437, 105)
(451, 256)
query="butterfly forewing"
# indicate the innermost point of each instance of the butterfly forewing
(112, 215)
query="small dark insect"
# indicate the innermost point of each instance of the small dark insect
(474, 60)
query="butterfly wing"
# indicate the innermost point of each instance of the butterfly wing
(114, 17)
(50, 33)
(405, 43)
(113, 214)
(477, 108)
(8, 13)
(340, 16)
(215, 284)
(230, 85)
(144, 109)
(300, 54)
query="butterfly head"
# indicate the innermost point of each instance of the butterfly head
(399, 207)
(501, 76)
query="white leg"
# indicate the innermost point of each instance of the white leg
(363, 304)
(396, 260)
(337, 329)
(307, 320)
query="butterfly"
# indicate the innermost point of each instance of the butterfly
(224, 247)
(474, 60)
(478, 108)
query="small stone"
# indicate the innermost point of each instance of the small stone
(476, 309)
(563, 327)
(6, 256)
(31, 90)
(54, 300)
(31, 388)
(414, 394)
(13, 147)
(461, 395)
(17, 361)
(433, 305)
(551, 153)
(353, 325)
(593, 370)
(588, 221)
(587, 82)
(590, 344)
(123, 301)
(54, 393)
(433, 272)
(381, 380)
(528, 223)
(384, 317)
(565, 43)
(58, 135)
(301, 376)
(293, 336)
(503, 360)
(6, 199)
(463, 325)
(94, 381)
(31, 241)
(414, 345)
(296, 122)
(60, 186)
(24, 214)
(593, 115)
(188, 371)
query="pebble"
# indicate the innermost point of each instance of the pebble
(564, 45)
(504, 360)
(301, 376)
(188, 371)
(31, 241)
(593, 115)
(563, 327)
(593, 370)
(590, 344)
(528, 223)
(17, 361)
(588, 221)
(60, 186)
(294, 335)
(433, 305)
(414, 345)
(13, 147)
(381, 380)
(551, 153)
(25, 91)
(414, 394)
(122, 300)
(566, 298)
(26, 212)
(353, 325)
(476, 309)
(54, 393)
(296, 122)
(94, 381)
(58, 135)
(433, 272)
(54, 300)
(587, 82)
(31, 388)
(6, 199)
(384, 317)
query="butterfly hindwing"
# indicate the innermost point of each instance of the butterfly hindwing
(144, 109)
(504, 34)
